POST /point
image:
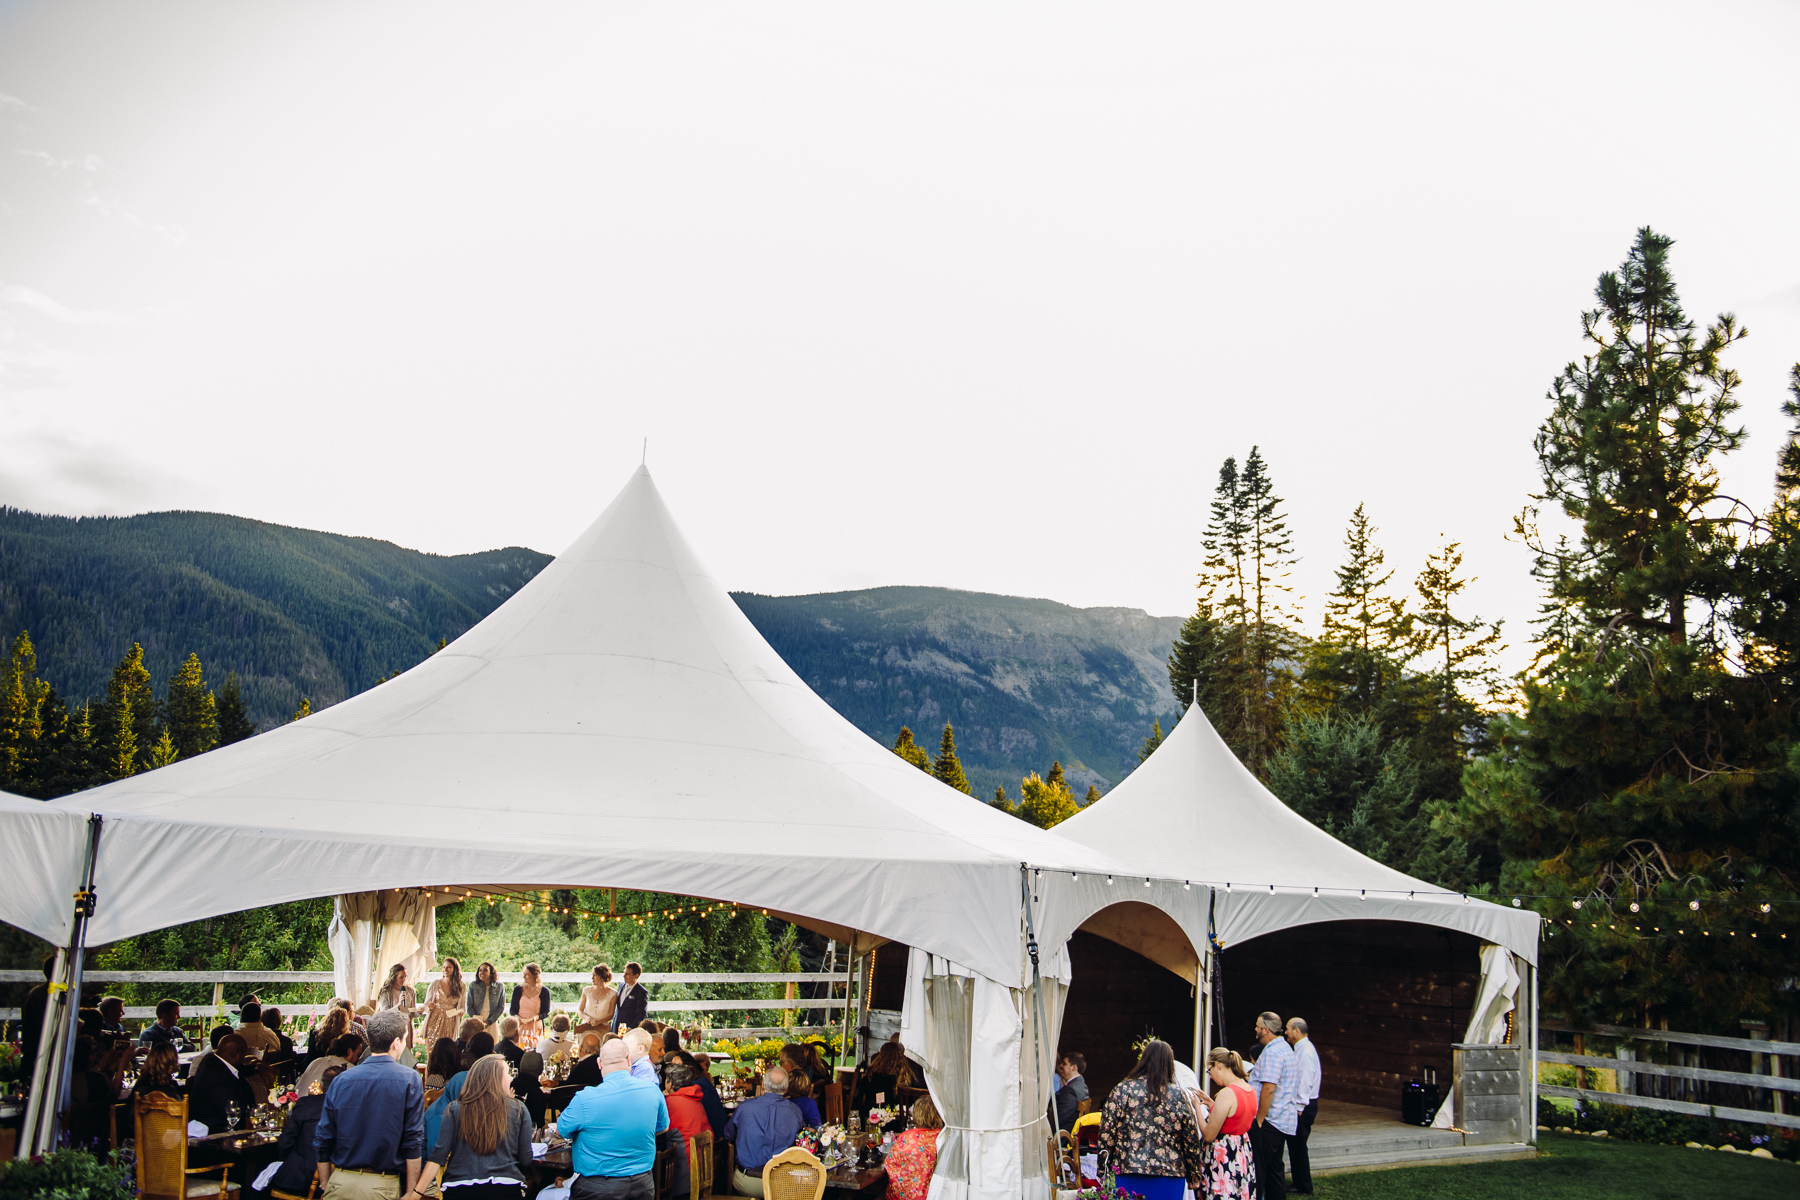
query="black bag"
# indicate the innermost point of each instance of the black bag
(1418, 1102)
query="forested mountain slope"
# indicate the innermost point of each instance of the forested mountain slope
(294, 612)
(1023, 681)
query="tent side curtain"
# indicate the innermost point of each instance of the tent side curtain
(1495, 997)
(406, 922)
(43, 849)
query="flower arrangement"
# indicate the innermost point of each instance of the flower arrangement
(1106, 1193)
(12, 1067)
(825, 1142)
(883, 1115)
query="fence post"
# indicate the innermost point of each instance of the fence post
(1580, 1072)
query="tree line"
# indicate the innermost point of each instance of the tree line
(1639, 783)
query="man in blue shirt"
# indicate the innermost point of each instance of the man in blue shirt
(614, 1127)
(371, 1132)
(762, 1127)
(1277, 1080)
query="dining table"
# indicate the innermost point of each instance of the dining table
(847, 1178)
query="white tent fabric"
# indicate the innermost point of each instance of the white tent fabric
(1497, 996)
(621, 702)
(42, 851)
(407, 923)
(1193, 812)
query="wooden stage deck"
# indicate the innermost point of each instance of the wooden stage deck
(1356, 1137)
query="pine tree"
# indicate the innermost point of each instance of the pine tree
(164, 751)
(1459, 677)
(23, 698)
(1654, 765)
(234, 721)
(1151, 743)
(1001, 802)
(76, 763)
(911, 751)
(305, 710)
(1199, 663)
(1093, 794)
(1047, 801)
(193, 716)
(128, 718)
(947, 768)
(1358, 664)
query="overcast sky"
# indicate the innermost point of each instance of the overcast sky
(974, 295)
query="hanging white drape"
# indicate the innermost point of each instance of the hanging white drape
(352, 941)
(406, 924)
(1494, 999)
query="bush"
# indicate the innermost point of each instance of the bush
(66, 1175)
(1651, 1125)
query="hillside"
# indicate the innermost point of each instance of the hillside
(1023, 681)
(300, 613)
(294, 612)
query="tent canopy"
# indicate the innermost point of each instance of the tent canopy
(1192, 811)
(616, 723)
(43, 850)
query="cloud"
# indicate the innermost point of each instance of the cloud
(49, 471)
(88, 162)
(14, 102)
(24, 297)
(175, 235)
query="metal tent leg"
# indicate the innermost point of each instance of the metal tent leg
(51, 1074)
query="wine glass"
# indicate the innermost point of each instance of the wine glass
(232, 1114)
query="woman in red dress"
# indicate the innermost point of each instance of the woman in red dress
(914, 1156)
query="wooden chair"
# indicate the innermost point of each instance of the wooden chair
(431, 1095)
(560, 1098)
(312, 1192)
(831, 1098)
(724, 1168)
(1084, 1107)
(700, 1165)
(162, 1152)
(662, 1174)
(793, 1175)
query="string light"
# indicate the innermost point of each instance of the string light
(1694, 904)
(1634, 906)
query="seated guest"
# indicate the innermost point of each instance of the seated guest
(637, 1046)
(804, 1056)
(586, 1072)
(470, 1027)
(219, 1082)
(166, 1031)
(371, 1132)
(1073, 1091)
(297, 1158)
(322, 1036)
(709, 1093)
(508, 1046)
(558, 1043)
(614, 1127)
(800, 1096)
(89, 1089)
(914, 1156)
(881, 1083)
(112, 1016)
(284, 1052)
(347, 1051)
(445, 1061)
(762, 1127)
(484, 1151)
(257, 1036)
(671, 1043)
(158, 1073)
(527, 1088)
(454, 1080)
(687, 1103)
(480, 1046)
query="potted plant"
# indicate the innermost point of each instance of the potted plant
(12, 1069)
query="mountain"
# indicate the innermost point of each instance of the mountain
(294, 612)
(300, 613)
(1024, 682)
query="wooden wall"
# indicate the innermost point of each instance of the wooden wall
(1385, 1000)
(1115, 997)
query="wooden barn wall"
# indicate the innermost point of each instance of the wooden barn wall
(1116, 996)
(1384, 1000)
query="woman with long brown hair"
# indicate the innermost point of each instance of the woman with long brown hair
(486, 1001)
(337, 1019)
(444, 1004)
(880, 1084)
(1148, 1133)
(158, 1072)
(483, 1146)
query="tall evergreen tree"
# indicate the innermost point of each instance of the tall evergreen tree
(23, 698)
(234, 721)
(128, 719)
(1199, 663)
(1458, 678)
(122, 749)
(193, 715)
(911, 751)
(163, 752)
(1046, 801)
(1093, 794)
(305, 710)
(947, 768)
(1652, 765)
(1151, 743)
(1358, 665)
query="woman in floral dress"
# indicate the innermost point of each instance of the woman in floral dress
(914, 1156)
(1230, 1160)
(1148, 1135)
(444, 1004)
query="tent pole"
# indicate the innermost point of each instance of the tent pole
(849, 972)
(1037, 992)
(56, 1043)
(1202, 1012)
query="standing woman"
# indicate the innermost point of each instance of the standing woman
(444, 1004)
(486, 1002)
(1148, 1134)
(397, 993)
(530, 1001)
(483, 1146)
(1231, 1160)
(598, 1000)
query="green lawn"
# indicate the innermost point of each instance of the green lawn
(1570, 1167)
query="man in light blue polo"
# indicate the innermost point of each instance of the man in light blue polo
(1277, 1081)
(614, 1127)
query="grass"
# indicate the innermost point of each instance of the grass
(1570, 1167)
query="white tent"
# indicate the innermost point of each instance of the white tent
(618, 722)
(1193, 811)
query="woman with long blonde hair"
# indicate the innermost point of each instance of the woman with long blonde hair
(531, 1003)
(396, 993)
(483, 1146)
(444, 1004)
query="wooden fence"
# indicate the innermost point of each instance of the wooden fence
(1757, 1095)
(221, 981)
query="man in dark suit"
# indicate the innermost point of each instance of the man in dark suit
(218, 1082)
(586, 1073)
(634, 1001)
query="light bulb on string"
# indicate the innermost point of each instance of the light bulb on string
(1146, 881)
(1634, 906)
(1765, 908)
(1109, 881)
(1694, 905)
(1515, 902)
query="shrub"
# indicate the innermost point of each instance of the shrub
(66, 1175)
(1652, 1125)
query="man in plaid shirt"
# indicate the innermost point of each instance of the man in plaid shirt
(1277, 1079)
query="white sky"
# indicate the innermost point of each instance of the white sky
(976, 295)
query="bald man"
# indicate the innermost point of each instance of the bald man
(220, 1082)
(586, 1072)
(614, 1128)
